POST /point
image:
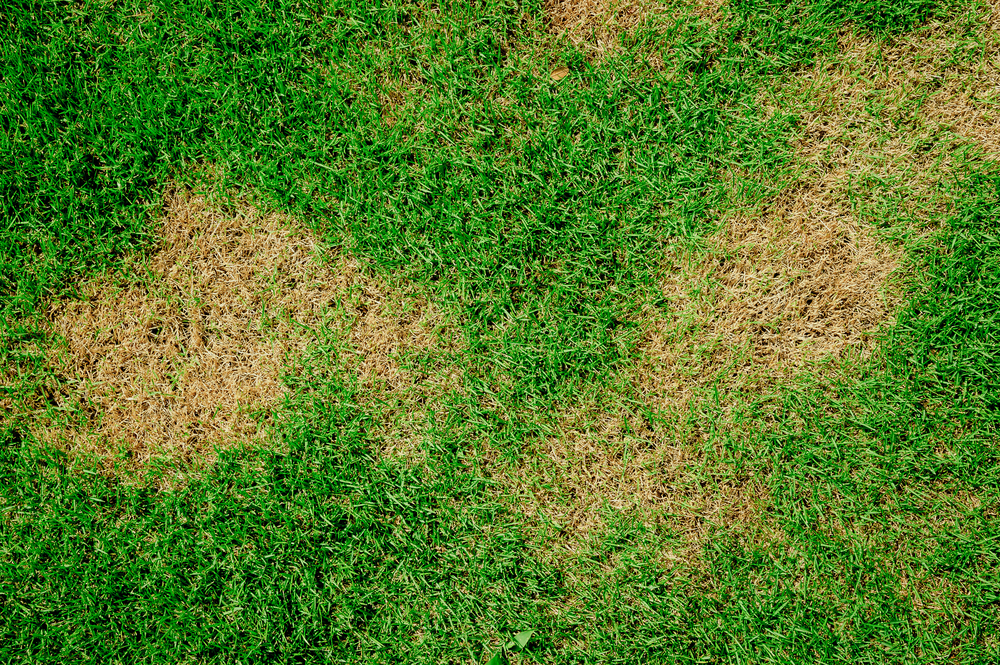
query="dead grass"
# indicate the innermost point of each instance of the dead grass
(598, 461)
(901, 112)
(803, 278)
(402, 351)
(798, 282)
(604, 458)
(775, 291)
(960, 78)
(781, 289)
(596, 26)
(595, 23)
(185, 356)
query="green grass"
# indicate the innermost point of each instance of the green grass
(536, 214)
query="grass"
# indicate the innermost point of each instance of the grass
(575, 365)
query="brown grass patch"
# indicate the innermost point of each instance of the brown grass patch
(403, 352)
(801, 279)
(604, 460)
(175, 365)
(961, 95)
(595, 22)
(795, 283)
(775, 291)
(596, 26)
(778, 290)
(598, 461)
(901, 110)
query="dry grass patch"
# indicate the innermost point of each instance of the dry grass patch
(801, 278)
(961, 78)
(775, 291)
(398, 93)
(796, 283)
(596, 23)
(596, 26)
(793, 285)
(903, 112)
(186, 355)
(604, 460)
(403, 351)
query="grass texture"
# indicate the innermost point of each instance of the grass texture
(431, 142)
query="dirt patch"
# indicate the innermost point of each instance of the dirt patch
(185, 356)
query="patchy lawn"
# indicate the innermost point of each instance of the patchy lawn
(644, 332)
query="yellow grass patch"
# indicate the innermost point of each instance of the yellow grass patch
(606, 459)
(401, 352)
(901, 111)
(799, 278)
(777, 289)
(596, 26)
(185, 356)
(794, 283)
(961, 80)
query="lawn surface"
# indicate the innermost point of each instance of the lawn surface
(388, 332)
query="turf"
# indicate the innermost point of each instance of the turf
(844, 513)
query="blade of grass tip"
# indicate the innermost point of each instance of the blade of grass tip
(520, 640)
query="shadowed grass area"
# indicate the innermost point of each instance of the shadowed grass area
(559, 411)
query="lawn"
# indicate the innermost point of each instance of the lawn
(572, 331)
